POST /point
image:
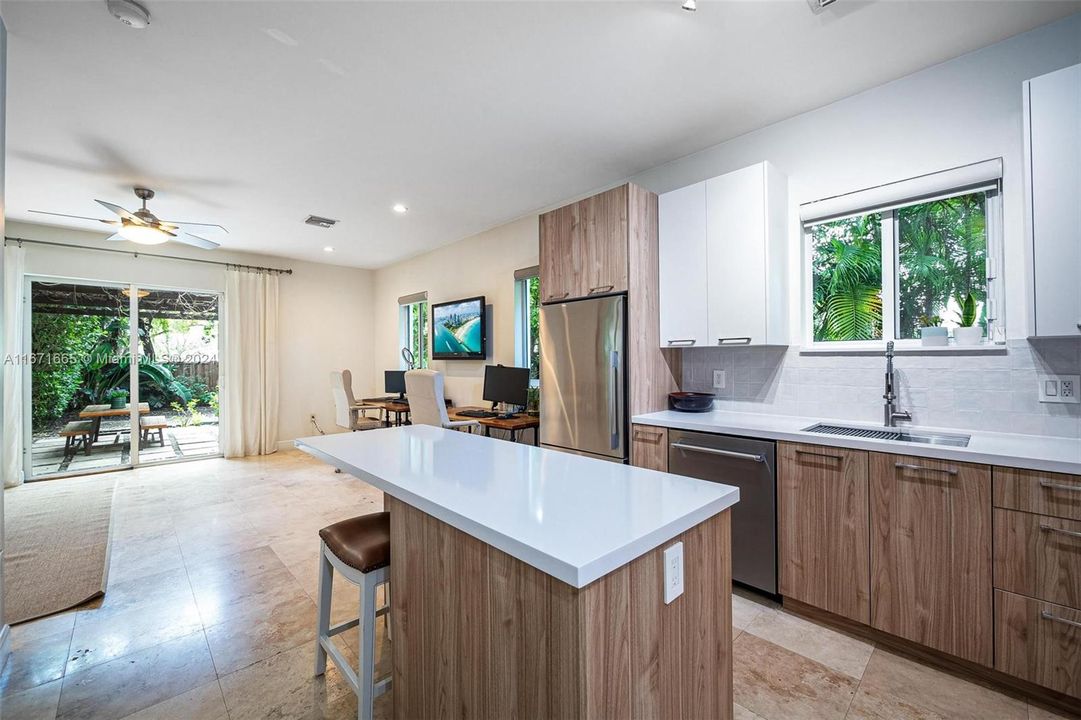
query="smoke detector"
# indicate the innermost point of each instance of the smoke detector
(320, 221)
(129, 12)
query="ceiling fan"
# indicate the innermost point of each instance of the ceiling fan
(143, 227)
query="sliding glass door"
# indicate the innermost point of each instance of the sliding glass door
(105, 393)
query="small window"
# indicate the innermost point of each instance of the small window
(885, 273)
(527, 324)
(413, 331)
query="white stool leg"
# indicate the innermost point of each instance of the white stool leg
(366, 676)
(326, 583)
(386, 603)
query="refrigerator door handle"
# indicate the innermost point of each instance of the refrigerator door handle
(613, 401)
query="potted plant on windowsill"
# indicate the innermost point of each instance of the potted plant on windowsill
(117, 399)
(968, 333)
(533, 401)
(932, 334)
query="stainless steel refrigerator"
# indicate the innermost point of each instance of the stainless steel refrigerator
(583, 377)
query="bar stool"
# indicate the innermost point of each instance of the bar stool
(359, 549)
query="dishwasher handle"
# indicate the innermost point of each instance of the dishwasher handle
(723, 453)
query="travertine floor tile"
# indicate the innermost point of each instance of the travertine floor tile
(35, 659)
(263, 632)
(133, 682)
(203, 703)
(897, 688)
(37, 703)
(777, 683)
(833, 649)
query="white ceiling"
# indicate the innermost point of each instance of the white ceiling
(472, 113)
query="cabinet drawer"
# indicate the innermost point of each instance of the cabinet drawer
(1039, 556)
(1038, 641)
(649, 447)
(1038, 492)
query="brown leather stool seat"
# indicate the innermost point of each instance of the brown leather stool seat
(362, 543)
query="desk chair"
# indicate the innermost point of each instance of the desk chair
(427, 405)
(348, 413)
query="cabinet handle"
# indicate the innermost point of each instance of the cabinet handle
(1060, 531)
(651, 436)
(682, 342)
(831, 456)
(1046, 615)
(734, 341)
(1059, 486)
(715, 451)
(907, 466)
(600, 289)
(559, 297)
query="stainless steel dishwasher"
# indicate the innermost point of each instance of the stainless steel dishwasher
(750, 465)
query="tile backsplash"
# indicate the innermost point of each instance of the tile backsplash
(990, 392)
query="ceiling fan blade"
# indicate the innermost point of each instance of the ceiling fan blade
(77, 217)
(213, 227)
(130, 217)
(199, 242)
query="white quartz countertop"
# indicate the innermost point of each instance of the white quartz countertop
(573, 517)
(1034, 452)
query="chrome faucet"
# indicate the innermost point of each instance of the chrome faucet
(890, 412)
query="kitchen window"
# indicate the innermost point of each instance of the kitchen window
(413, 328)
(882, 263)
(527, 321)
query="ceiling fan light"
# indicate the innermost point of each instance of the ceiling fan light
(143, 234)
(690, 5)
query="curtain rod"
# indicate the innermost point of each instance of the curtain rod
(135, 253)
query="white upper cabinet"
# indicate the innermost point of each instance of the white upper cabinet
(723, 260)
(1053, 175)
(682, 230)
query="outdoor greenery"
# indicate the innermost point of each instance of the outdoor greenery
(534, 327)
(417, 342)
(60, 340)
(847, 279)
(941, 255)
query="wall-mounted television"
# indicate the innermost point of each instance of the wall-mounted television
(458, 330)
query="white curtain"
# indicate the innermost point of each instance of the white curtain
(11, 454)
(250, 405)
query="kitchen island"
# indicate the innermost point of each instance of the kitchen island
(530, 583)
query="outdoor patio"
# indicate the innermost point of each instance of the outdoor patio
(113, 448)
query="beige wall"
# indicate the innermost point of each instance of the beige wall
(325, 311)
(483, 264)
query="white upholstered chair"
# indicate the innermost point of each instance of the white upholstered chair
(427, 404)
(348, 413)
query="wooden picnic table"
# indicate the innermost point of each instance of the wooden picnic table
(97, 412)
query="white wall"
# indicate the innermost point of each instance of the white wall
(483, 264)
(325, 311)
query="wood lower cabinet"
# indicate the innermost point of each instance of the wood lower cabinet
(1038, 492)
(584, 247)
(1039, 642)
(1038, 556)
(649, 447)
(823, 528)
(931, 554)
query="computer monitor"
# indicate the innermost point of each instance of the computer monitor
(506, 384)
(394, 382)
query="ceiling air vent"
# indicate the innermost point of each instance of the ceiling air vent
(320, 221)
(818, 6)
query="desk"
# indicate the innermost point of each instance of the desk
(97, 412)
(520, 421)
(393, 406)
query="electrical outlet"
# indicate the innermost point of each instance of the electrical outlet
(673, 572)
(720, 379)
(1059, 388)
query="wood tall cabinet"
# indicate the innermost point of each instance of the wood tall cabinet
(1052, 105)
(823, 537)
(607, 244)
(931, 554)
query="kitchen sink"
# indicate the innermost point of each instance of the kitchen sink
(915, 436)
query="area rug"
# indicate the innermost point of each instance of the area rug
(56, 550)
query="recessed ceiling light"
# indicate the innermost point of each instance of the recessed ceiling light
(690, 5)
(328, 248)
(280, 36)
(399, 208)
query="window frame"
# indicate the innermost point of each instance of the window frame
(522, 336)
(996, 323)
